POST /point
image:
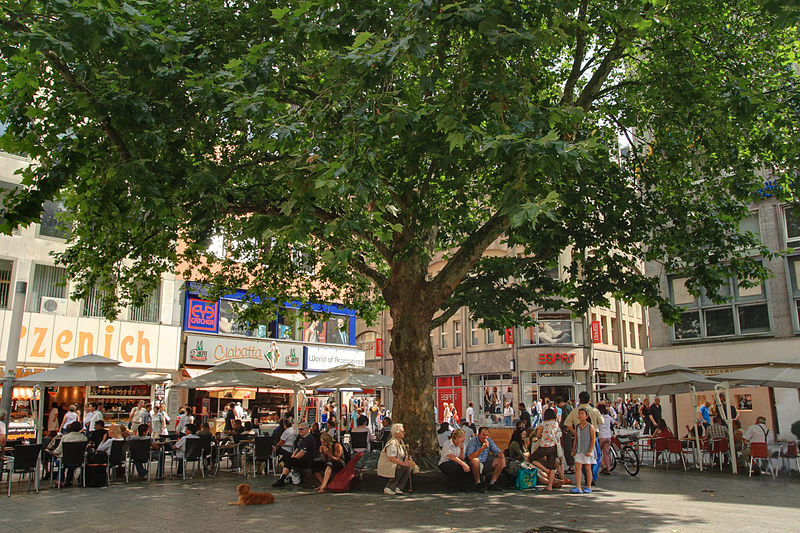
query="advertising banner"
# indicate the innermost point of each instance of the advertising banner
(205, 350)
(320, 358)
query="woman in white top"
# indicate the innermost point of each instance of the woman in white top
(604, 436)
(52, 420)
(114, 433)
(452, 463)
(70, 417)
(508, 415)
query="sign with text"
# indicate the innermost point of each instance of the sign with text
(552, 358)
(49, 340)
(209, 351)
(596, 333)
(323, 358)
(378, 347)
(201, 315)
(509, 337)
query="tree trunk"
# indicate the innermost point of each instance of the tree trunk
(413, 376)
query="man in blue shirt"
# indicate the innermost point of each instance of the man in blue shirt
(481, 451)
(705, 415)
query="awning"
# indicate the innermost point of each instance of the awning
(291, 376)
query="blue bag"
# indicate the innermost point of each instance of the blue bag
(526, 478)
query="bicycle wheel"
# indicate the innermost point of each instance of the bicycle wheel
(630, 460)
(613, 458)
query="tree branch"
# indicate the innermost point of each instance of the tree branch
(470, 251)
(589, 93)
(445, 316)
(577, 61)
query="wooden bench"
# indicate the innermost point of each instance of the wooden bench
(501, 437)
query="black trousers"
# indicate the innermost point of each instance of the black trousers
(457, 479)
(566, 445)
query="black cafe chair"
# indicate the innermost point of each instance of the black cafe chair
(196, 452)
(116, 457)
(24, 461)
(73, 454)
(260, 451)
(140, 451)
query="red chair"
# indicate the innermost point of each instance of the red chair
(657, 446)
(759, 451)
(674, 446)
(717, 448)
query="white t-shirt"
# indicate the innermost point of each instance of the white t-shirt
(508, 411)
(289, 436)
(69, 418)
(239, 412)
(758, 433)
(470, 415)
(448, 448)
(605, 427)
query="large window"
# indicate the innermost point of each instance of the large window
(552, 328)
(474, 333)
(5, 282)
(148, 311)
(93, 303)
(443, 336)
(489, 336)
(48, 281)
(456, 334)
(290, 325)
(52, 224)
(744, 313)
(792, 216)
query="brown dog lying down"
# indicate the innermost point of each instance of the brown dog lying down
(251, 498)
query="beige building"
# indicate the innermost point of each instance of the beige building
(757, 325)
(556, 357)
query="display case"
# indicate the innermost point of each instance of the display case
(270, 406)
(118, 400)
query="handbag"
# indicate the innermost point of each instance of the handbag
(526, 478)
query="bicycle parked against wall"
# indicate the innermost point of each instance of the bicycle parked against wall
(623, 452)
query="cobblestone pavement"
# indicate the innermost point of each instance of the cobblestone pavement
(654, 501)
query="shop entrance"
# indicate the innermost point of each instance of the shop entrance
(567, 392)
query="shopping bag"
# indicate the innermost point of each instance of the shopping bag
(526, 478)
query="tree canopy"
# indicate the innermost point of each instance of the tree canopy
(369, 136)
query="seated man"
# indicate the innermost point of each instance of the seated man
(758, 432)
(285, 446)
(717, 430)
(180, 446)
(98, 434)
(143, 433)
(482, 451)
(301, 457)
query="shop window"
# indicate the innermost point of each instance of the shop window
(93, 303)
(5, 282)
(48, 281)
(290, 325)
(443, 336)
(551, 328)
(229, 318)
(314, 330)
(744, 312)
(149, 310)
(339, 330)
(456, 333)
(52, 223)
(474, 333)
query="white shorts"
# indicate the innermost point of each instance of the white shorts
(586, 458)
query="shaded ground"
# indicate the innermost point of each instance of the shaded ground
(654, 501)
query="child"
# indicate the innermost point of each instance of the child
(584, 451)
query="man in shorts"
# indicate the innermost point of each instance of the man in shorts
(482, 451)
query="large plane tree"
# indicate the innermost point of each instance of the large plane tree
(363, 138)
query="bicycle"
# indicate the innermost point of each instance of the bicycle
(624, 453)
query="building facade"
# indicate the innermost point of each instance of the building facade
(756, 325)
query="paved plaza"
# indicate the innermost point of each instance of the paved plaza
(654, 501)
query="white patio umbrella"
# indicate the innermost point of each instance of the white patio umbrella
(234, 374)
(781, 373)
(86, 371)
(672, 379)
(348, 377)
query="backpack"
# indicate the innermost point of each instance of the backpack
(347, 452)
(526, 478)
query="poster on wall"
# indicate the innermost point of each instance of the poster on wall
(450, 392)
